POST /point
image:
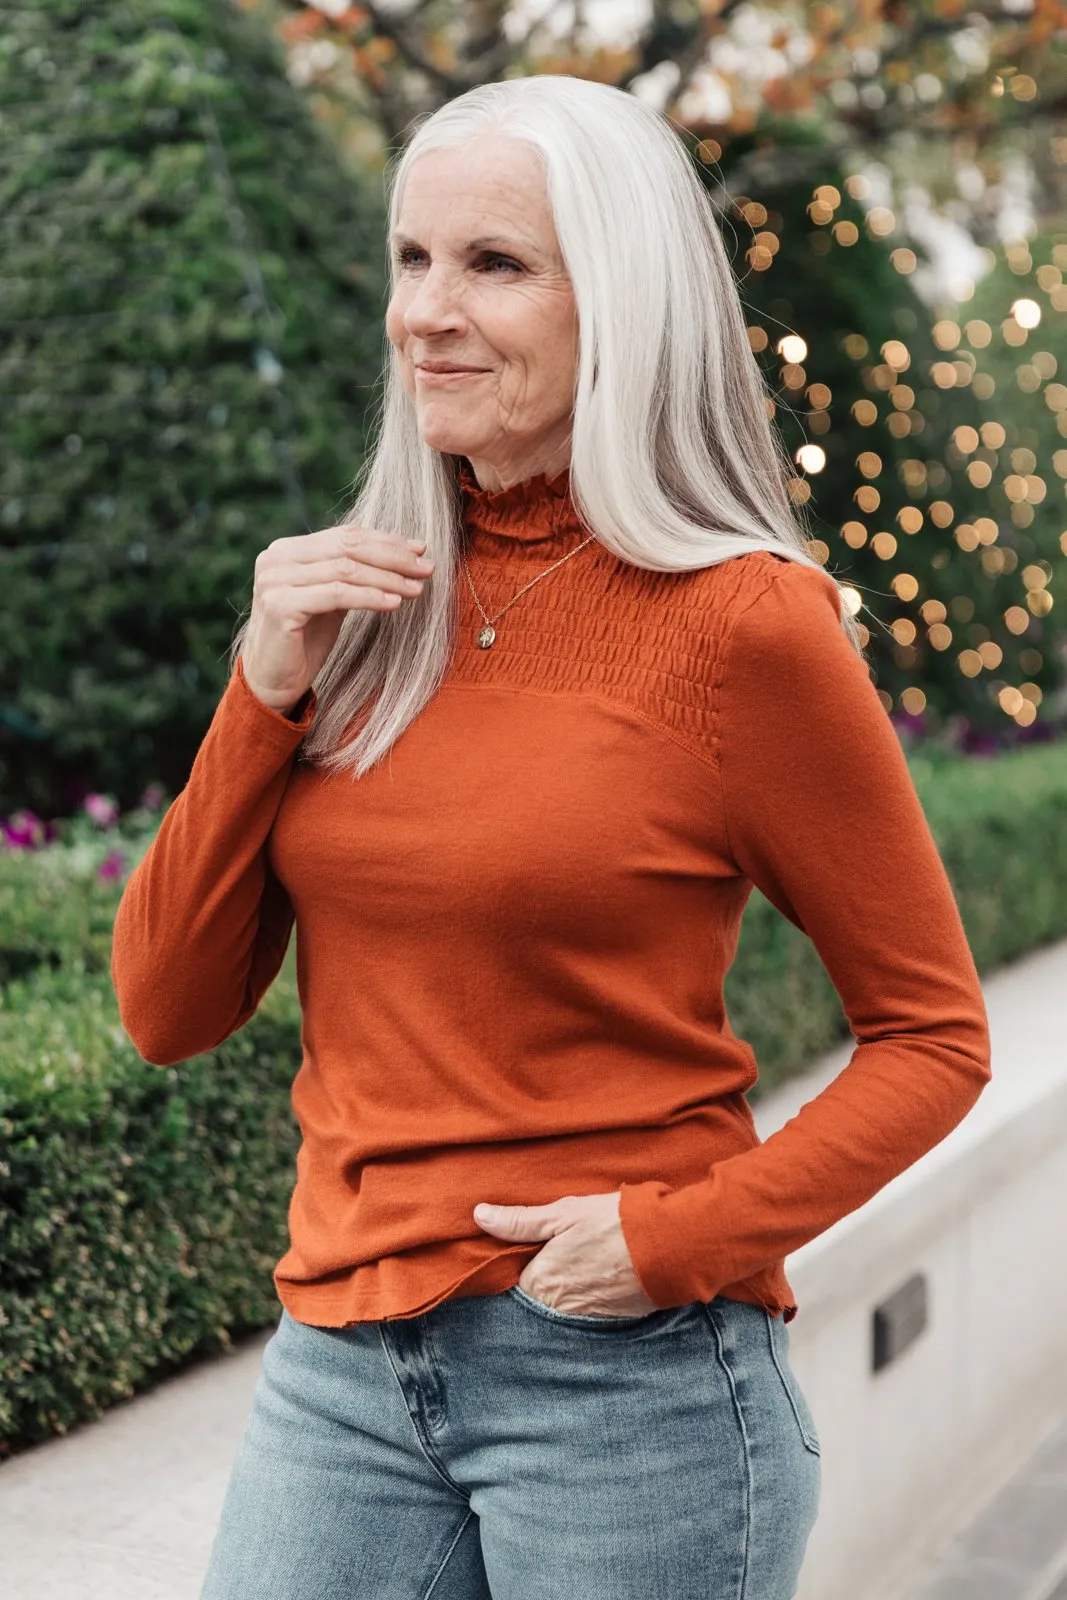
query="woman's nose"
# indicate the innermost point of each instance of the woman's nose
(433, 304)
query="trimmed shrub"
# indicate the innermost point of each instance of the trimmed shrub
(192, 300)
(144, 1207)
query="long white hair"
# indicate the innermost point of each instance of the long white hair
(674, 461)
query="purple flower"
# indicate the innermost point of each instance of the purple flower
(978, 743)
(152, 798)
(23, 830)
(103, 810)
(112, 866)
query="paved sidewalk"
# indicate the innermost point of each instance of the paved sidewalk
(125, 1508)
(1016, 1549)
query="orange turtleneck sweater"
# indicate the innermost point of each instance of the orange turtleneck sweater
(512, 934)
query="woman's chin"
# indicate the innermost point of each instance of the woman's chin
(447, 435)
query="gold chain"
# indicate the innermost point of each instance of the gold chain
(486, 635)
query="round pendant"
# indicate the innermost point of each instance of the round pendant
(486, 636)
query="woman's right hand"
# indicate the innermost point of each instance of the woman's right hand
(303, 587)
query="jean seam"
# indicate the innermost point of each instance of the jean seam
(421, 1443)
(810, 1443)
(447, 1555)
(739, 1413)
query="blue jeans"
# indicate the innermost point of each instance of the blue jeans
(496, 1449)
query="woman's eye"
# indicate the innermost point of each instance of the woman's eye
(409, 254)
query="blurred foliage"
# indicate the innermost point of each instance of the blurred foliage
(193, 296)
(851, 69)
(191, 303)
(954, 576)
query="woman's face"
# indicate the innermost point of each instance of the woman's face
(480, 282)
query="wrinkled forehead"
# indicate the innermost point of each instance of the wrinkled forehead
(482, 194)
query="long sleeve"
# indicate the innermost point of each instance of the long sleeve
(203, 923)
(822, 816)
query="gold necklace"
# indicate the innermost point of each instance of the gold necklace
(485, 636)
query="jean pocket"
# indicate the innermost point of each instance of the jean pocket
(778, 1334)
(607, 1324)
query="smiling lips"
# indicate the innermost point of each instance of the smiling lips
(448, 375)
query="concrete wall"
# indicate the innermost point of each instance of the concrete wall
(912, 1451)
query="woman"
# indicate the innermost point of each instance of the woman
(515, 794)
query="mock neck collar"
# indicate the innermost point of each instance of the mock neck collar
(536, 508)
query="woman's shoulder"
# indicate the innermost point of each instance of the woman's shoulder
(775, 591)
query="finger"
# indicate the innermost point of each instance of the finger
(318, 598)
(372, 544)
(345, 569)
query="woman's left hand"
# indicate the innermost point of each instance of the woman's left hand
(585, 1267)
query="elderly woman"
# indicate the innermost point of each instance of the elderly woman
(514, 793)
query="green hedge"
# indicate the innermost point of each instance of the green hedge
(191, 314)
(143, 1208)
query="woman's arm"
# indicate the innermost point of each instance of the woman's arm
(203, 923)
(822, 815)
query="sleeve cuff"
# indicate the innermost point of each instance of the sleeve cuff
(662, 1250)
(289, 730)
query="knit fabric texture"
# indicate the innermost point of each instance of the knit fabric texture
(512, 933)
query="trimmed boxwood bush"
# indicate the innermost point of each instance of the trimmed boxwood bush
(190, 350)
(143, 1208)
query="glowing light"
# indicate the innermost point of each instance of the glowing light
(792, 349)
(1027, 313)
(811, 457)
(946, 334)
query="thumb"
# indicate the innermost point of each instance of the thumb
(514, 1222)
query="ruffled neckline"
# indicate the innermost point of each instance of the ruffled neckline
(539, 507)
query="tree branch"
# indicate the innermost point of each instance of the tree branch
(393, 31)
